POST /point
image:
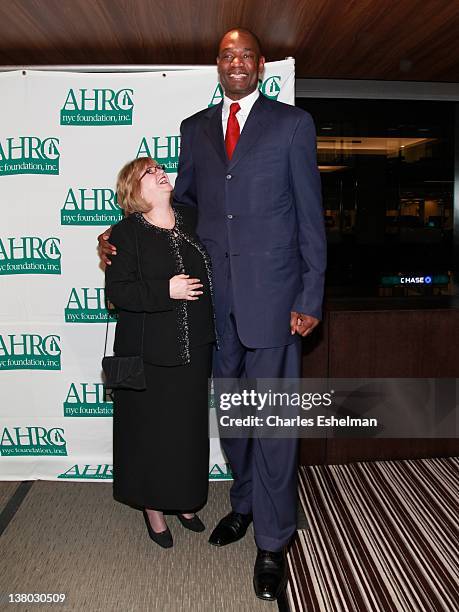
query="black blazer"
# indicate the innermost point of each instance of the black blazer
(166, 333)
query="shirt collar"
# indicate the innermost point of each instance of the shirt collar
(245, 103)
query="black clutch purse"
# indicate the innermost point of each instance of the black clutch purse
(125, 372)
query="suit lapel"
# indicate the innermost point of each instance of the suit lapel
(214, 131)
(253, 129)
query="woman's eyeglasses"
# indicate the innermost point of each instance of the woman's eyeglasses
(153, 170)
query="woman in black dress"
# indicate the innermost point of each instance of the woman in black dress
(160, 282)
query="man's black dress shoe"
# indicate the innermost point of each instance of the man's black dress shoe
(270, 574)
(163, 538)
(193, 524)
(230, 529)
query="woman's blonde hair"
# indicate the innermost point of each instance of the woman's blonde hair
(128, 185)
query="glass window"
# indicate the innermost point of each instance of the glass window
(387, 170)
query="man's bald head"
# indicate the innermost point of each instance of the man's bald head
(234, 33)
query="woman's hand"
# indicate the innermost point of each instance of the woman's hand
(182, 287)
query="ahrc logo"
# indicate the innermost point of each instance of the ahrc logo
(88, 400)
(270, 88)
(165, 149)
(32, 441)
(30, 255)
(29, 155)
(101, 471)
(30, 352)
(90, 206)
(220, 472)
(90, 107)
(88, 305)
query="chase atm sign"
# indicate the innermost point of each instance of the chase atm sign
(411, 279)
(415, 280)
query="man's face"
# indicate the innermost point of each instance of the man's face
(239, 64)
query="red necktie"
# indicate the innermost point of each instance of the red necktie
(232, 130)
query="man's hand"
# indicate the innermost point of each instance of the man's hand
(105, 248)
(302, 324)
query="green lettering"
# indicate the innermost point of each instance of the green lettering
(3, 348)
(73, 471)
(143, 151)
(70, 199)
(3, 253)
(6, 438)
(74, 299)
(218, 96)
(71, 100)
(72, 395)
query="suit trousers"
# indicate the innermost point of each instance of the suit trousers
(264, 469)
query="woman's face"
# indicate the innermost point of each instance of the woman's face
(153, 182)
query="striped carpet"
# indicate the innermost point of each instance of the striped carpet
(383, 537)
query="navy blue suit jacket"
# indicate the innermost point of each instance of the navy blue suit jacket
(259, 215)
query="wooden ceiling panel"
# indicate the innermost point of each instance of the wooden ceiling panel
(358, 39)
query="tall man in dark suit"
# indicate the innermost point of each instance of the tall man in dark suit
(249, 165)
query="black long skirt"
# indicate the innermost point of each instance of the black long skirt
(161, 438)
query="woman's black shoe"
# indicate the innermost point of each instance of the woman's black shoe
(194, 524)
(163, 538)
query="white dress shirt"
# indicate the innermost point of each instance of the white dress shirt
(246, 106)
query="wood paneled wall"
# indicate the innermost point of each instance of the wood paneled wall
(378, 344)
(364, 39)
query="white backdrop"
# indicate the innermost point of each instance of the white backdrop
(63, 138)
